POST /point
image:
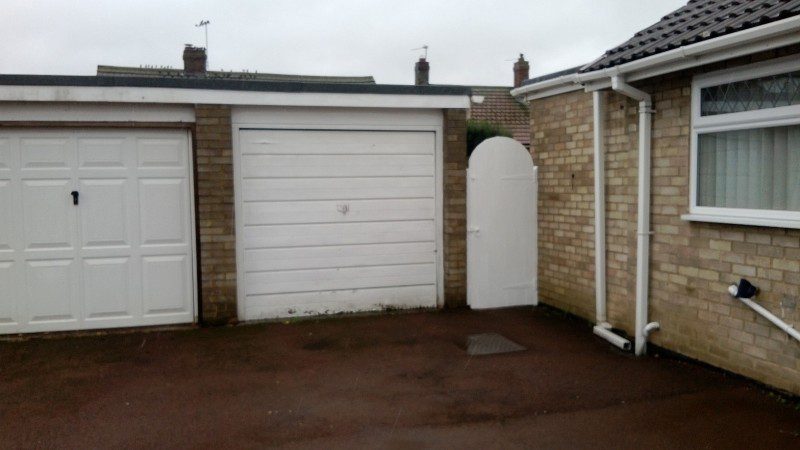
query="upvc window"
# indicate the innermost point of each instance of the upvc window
(745, 146)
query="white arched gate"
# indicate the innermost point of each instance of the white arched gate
(501, 226)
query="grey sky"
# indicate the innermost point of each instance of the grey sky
(471, 42)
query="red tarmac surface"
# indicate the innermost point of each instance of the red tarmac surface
(390, 381)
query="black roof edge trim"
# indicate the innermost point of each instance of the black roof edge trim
(230, 85)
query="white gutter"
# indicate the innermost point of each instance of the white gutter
(642, 327)
(603, 328)
(772, 35)
(789, 329)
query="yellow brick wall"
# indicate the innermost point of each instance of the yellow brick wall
(455, 208)
(215, 211)
(561, 139)
(691, 263)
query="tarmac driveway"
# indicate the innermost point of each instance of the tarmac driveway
(398, 381)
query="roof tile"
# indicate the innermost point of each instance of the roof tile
(696, 21)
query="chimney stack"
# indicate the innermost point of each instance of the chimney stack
(421, 71)
(521, 71)
(194, 60)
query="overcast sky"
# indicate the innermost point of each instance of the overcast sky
(471, 42)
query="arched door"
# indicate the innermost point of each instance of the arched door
(501, 226)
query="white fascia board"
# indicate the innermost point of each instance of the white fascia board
(553, 83)
(95, 112)
(225, 97)
(554, 91)
(765, 37)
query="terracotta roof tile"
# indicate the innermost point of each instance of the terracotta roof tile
(500, 107)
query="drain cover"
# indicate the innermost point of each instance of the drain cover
(490, 344)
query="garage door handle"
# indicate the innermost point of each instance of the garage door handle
(75, 195)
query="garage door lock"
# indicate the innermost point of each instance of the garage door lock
(75, 195)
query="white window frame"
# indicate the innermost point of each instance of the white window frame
(762, 118)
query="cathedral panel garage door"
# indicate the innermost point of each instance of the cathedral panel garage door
(336, 221)
(95, 229)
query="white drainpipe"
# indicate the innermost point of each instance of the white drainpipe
(643, 328)
(603, 328)
(788, 329)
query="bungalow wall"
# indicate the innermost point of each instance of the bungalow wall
(692, 263)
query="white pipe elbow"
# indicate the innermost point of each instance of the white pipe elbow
(650, 327)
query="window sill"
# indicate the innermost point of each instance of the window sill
(738, 220)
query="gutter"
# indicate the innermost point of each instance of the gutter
(765, 37)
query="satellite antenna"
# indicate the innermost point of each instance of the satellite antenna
(425, 48)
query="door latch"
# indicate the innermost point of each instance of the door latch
(75, 195)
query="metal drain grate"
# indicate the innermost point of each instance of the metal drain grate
(490, 344)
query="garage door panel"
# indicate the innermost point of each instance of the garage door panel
(269, 236)
(106, 288)
(104, 207)
(299, 166)
(339, 278)
(6, 157)
(161, 294)
(272, 213)
(47, 213)
(51, 296)
(102, 153)
(168, 153)
(8, 293)
(162, 211)
(321, 142)
(46, 153)
(6, 219)
(338, 256)
(326, 302)
(284, 189)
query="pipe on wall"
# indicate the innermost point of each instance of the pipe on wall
(788, 329)
(603, 328)
(599, 208)
(642, 327)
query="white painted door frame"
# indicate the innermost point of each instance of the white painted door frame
(319, 123)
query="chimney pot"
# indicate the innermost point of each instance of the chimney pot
(421, 72)
(194, 60)
(521, 71)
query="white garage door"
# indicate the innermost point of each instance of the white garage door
(95, 229)
(335, 221)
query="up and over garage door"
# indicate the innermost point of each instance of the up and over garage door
(336, 221)
(95, 229)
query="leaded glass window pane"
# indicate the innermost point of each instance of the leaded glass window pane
(750, 95)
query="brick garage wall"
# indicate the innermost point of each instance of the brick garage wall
(691, 263)
(215, 213)
(455, 208)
